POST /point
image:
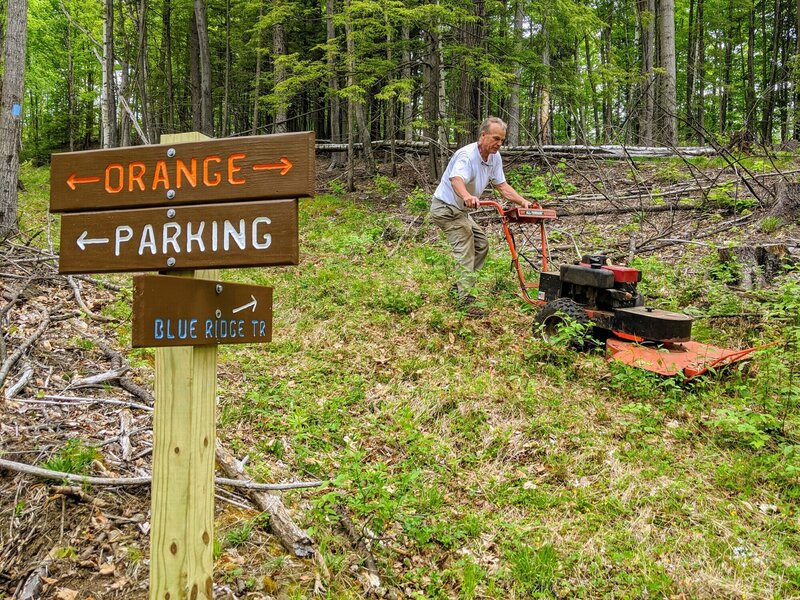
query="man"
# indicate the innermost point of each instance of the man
(470, 170)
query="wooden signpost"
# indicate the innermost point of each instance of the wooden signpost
(173, 207)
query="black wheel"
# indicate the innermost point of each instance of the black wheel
(560, 314)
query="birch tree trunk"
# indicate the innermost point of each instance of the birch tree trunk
(11, 112)
(108, 100)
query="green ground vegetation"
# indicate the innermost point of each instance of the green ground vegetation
(482, 462)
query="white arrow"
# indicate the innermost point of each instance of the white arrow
(252, 303)
(83, 241)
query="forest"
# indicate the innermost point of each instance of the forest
(607, 71)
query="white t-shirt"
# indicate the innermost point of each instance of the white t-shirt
(468, 164)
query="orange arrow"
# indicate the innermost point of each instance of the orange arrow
(284, 166)
(72, 180)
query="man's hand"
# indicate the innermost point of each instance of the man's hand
(471, 201)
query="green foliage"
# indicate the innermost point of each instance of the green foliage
(74, 457)
(418, 201)
(386, 187)
(726, 197)
(770, 224)
(534, 569)
(535, 185)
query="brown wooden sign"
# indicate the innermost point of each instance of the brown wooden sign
(178, 311)
(224, 170)
(190, 237)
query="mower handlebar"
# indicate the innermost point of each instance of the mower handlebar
(499, 207)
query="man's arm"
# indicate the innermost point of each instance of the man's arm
(509, 193)
(461, 189)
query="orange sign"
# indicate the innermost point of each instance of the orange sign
(226, 170)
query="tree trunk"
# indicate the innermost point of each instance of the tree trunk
(206, 107)
(543, 129)
(357, 105)
(700, 75)
(796, 131)
(769, 85)
(605, 60)
(727, 68)
(691, 64)
(593, 87)
(108, 100)
(11, 112)
(166, 44)
(142, 78)
(668, 134)
(750, 88)
(432, 75)
(333, 84)
(227, 84)
(278, 52)
(71, 100)
(408, 107)
(257, 81)
(647, 20)
(512, 135)
(194, 76)
(467, 112)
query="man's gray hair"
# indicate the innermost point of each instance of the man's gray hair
(489, 121)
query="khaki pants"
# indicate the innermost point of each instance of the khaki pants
(467, 240)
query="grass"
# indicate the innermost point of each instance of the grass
(479, 462)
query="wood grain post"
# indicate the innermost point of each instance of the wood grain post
(184, 432)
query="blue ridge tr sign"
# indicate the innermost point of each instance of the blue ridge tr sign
(210, 312)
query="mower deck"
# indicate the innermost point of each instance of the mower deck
(689, 358)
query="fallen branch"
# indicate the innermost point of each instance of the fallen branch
(124, 382)
(26, 376)
(99, 378)
(66, 400)
(17, 467)
(76, 290)
(9, 362)
(281, 524)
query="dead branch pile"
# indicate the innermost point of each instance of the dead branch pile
(65, 381)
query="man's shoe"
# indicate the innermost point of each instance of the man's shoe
(475, 312)
(468, 300)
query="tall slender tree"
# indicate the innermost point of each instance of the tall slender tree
(11, 112)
